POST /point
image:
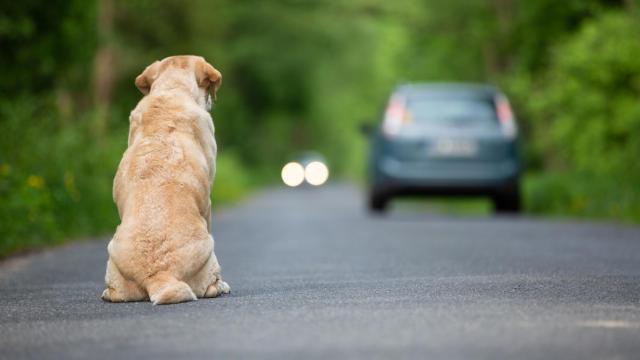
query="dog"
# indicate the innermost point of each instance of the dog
(163, 249)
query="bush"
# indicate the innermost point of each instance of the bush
(588, 102)
(587, 123)
(565, 194)
(55, 175)
(232, 180)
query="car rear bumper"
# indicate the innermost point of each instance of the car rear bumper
(445, 177)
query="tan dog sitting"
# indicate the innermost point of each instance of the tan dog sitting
(162, 249)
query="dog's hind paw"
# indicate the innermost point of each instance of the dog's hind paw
(217, 288)
(105, 295)
(223, 287)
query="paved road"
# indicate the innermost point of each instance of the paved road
(314, 277)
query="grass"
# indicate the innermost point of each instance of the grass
(582, 195)
(554, 194)
(454, 206)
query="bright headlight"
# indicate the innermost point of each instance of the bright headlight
(292, 174)
(316, 173)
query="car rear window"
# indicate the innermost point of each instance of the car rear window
(452, 111)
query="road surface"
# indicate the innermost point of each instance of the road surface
(314, 277)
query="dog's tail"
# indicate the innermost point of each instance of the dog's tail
(164, 288)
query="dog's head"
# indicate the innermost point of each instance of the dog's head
(186, 70)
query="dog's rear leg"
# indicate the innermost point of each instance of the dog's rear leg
(207, 283)
(164, 288)
(120, 289)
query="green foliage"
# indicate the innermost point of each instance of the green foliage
(570, 194)
(588, 104)
(232, 180)
(587, 112)
(55, 178)
(45, 45)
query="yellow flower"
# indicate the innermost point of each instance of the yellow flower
(35, 181)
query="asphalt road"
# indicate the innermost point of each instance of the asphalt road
(314, 277)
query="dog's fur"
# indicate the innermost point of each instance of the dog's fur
(162, 250)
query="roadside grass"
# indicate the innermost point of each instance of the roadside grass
(233, 181)
(454, 206)
(582, 195)
(551, 194)
(55, 177)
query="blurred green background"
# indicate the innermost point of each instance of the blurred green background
(302, 74)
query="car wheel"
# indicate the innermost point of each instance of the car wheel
(378, 203)
(507, 201)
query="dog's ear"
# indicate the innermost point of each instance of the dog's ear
(208, 77)
(148, 76)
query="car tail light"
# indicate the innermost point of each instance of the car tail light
(396, 116)
(505, 116)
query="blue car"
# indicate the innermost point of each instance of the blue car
(446, 140)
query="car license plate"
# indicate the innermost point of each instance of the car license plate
(448, 147)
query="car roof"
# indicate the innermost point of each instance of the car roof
(464, 90)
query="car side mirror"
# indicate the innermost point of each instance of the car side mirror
(366, 128)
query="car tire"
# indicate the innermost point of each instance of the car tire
(378, 203)
(507, 201)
